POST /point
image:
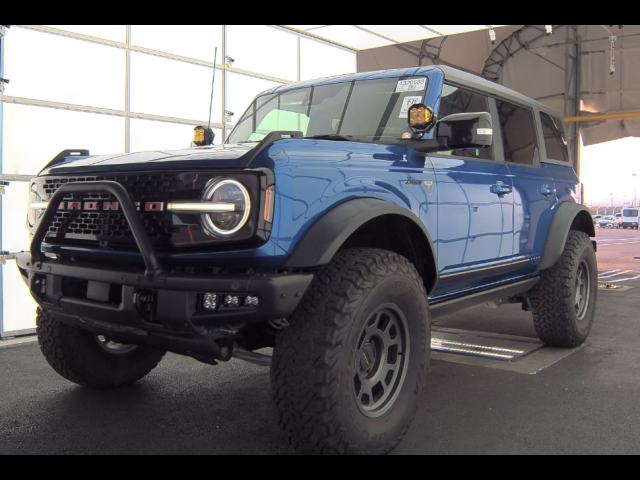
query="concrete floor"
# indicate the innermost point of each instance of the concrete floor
(585, 404)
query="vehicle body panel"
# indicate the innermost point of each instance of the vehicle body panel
(481, 239)
(475, 227)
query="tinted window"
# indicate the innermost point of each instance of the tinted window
(630, 213)
(518, 133)
(555, 142)
(458, 100)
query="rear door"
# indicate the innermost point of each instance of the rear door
(475, 206)
(534, 189)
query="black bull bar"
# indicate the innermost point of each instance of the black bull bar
(128, 207)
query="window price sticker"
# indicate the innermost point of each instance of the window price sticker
(411, 85)
(407, 104)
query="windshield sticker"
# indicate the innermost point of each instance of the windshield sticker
(411, 85)
(407, 104)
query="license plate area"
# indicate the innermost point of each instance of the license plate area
(92, 291)
(98, 292)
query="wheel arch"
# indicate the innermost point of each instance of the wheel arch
(569, 216)
(352, 224)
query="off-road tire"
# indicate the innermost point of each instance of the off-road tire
(312, 370)
(76, 355)
(554, 297)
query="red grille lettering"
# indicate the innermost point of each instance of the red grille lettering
(154, 206)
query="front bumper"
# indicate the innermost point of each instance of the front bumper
(154, 307)
(163, 311)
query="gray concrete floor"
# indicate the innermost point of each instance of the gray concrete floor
(585, 404)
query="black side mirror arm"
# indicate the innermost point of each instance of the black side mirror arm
(426, 146)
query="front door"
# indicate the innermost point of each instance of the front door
(475, 206)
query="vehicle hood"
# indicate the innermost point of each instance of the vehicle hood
(219, 156)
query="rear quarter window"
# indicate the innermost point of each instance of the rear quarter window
(555, 141)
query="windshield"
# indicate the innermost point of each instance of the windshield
(630, 213)
(367, 110)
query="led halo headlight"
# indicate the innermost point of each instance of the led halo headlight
(227, 191)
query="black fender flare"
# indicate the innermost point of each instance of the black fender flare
(328, 234)
(561, 224)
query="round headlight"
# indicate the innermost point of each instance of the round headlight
(229, 192)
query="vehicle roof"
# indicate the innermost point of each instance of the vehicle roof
(451, 74)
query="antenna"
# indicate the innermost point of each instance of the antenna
(213, 82)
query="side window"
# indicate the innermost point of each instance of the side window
(458, 100)
(518, 133)
(555, 142)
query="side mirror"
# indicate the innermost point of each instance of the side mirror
(466, 130)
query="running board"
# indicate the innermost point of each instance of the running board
(504, 292)
(483, 345)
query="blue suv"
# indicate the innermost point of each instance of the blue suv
(341, 216)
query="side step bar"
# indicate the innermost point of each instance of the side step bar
(251, 357)
(494, 295)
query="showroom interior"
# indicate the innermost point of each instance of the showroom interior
(493, 387)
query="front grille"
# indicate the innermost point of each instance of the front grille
(111, 225)
(110, 228)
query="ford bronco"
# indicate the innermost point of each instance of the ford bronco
(339, 218)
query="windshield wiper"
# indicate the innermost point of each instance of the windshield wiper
(333, 136)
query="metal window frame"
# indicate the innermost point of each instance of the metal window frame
(102, 111)
(148, 51)
(12, 178)
(128, 47)
(127, 93)
(2, 332)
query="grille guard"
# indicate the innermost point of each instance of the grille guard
(153, 267)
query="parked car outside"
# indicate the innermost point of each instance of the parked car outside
(606, 222)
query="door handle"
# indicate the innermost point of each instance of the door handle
(501, 189)
(546, 191)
